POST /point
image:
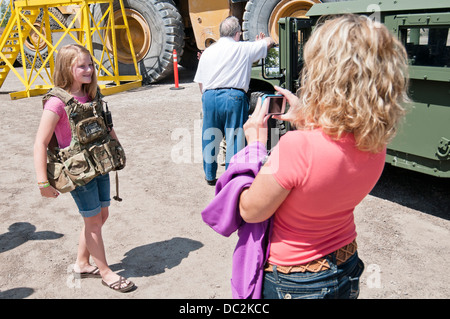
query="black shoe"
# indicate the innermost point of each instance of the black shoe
(211, 182)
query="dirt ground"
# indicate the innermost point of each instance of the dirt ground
(156, 236)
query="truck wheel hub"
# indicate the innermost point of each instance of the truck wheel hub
(140, 35)
(288, 8)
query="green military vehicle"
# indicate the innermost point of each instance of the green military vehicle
(423, 142)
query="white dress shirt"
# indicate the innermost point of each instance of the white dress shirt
(228, 63)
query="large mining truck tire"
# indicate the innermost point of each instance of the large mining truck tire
(156, 29)
(263, 15)
(30, 42)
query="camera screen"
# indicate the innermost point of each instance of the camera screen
(275, 104)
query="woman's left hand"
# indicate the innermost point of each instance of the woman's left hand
(255, 128)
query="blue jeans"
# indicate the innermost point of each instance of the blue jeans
(91, 197)
(338, 282)
(224, 113)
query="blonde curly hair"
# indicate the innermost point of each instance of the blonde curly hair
(354, 81)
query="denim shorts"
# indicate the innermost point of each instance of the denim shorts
(338, 282)
(93, 196)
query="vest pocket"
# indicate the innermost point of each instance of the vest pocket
(90, 129)
(58, 178)
(102, 158)
(108, 156)
(80, 168)
(118, 154)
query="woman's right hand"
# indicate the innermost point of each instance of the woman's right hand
(294, 103)
(49, 192)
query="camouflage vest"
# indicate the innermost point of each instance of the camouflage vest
(92, 151)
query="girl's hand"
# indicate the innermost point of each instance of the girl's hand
(292, 99)
(49, 192)
(255, 128)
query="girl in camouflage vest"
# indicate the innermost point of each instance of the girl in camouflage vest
(75, 73)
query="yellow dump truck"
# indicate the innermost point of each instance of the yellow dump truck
(188, 26)
(158, 27)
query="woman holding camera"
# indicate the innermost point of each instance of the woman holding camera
(348, 109)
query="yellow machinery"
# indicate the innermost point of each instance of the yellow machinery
(22, 23)
(157, 29)
(189, 26)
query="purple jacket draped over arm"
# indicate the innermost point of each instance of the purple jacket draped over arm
(223, 215)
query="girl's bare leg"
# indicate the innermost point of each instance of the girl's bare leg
(82, 263)
(91, 244)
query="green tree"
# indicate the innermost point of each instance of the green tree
(5, 12)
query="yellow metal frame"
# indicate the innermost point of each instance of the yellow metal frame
(23, 21)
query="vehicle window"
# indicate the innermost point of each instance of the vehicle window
(301, 41)
(427, 46)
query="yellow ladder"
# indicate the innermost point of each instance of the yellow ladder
(24, 14)
(13, 35)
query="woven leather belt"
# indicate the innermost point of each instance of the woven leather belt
(320, 264)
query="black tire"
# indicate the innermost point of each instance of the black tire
(257, 15)
(29, 51)
(167, 33)
(189, 59)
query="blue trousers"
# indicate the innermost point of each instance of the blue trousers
(338, 282)
(224, 113)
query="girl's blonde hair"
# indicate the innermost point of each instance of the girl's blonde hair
(354, 81)
(63, 77)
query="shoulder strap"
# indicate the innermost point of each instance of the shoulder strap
(98, 97)
(60, 93)
(99, 94)
(64, 96)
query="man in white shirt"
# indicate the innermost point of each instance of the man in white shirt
(223, 75)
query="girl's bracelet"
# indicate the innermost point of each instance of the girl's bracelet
(43, 184)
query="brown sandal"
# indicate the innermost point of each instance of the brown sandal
(95, 273)
(117, 286)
